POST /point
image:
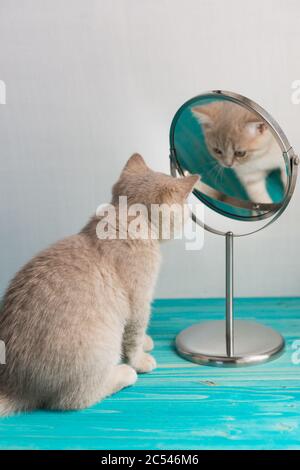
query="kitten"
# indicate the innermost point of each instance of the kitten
(237, 139)
(74, 311)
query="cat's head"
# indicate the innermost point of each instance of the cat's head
(141, 185)
(233, 135)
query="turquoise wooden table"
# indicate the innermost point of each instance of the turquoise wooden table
(181, 405)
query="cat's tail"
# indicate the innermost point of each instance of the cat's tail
(9, 406)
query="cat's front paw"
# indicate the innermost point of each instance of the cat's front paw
(143, 362)
(148, 343)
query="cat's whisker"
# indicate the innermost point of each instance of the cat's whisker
(217, 175)
(222, 175)
(214, 168)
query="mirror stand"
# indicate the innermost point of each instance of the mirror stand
(229, 342)
(206, 140)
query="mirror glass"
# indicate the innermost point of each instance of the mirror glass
(242, 169)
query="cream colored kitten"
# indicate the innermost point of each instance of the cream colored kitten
(237, 139)
(81, 306)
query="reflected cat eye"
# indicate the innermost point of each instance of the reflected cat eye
(240, 153)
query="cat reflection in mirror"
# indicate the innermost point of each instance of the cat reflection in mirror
(74, 318)
(237, 139)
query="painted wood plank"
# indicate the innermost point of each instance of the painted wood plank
(181, 405)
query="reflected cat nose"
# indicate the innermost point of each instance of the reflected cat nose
(229, 163)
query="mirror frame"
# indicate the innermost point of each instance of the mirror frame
(291, 160)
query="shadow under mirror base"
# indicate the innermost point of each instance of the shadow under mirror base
(205, 343)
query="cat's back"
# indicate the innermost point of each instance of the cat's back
(50, 275)
(65, 255)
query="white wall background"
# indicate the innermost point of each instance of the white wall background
(90, 81)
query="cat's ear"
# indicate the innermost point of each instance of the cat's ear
(207, 114)
(202, 116)
(256, 128)
(135, 163)
(187, 184)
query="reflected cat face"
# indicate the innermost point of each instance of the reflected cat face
(233, 135)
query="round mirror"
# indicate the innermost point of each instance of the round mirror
(247, 172)
(241, 155)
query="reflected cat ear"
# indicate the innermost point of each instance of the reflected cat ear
(256, 128)
(201, 117)
(187, 184)
(135, 163)
(207, 114)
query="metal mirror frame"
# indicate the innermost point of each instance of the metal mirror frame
(230, 342)
(291, 160)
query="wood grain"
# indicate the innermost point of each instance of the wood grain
(181, 405)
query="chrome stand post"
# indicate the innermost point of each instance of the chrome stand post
(229, 342)
(229, 295)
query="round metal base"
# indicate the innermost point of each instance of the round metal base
(204, 343)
